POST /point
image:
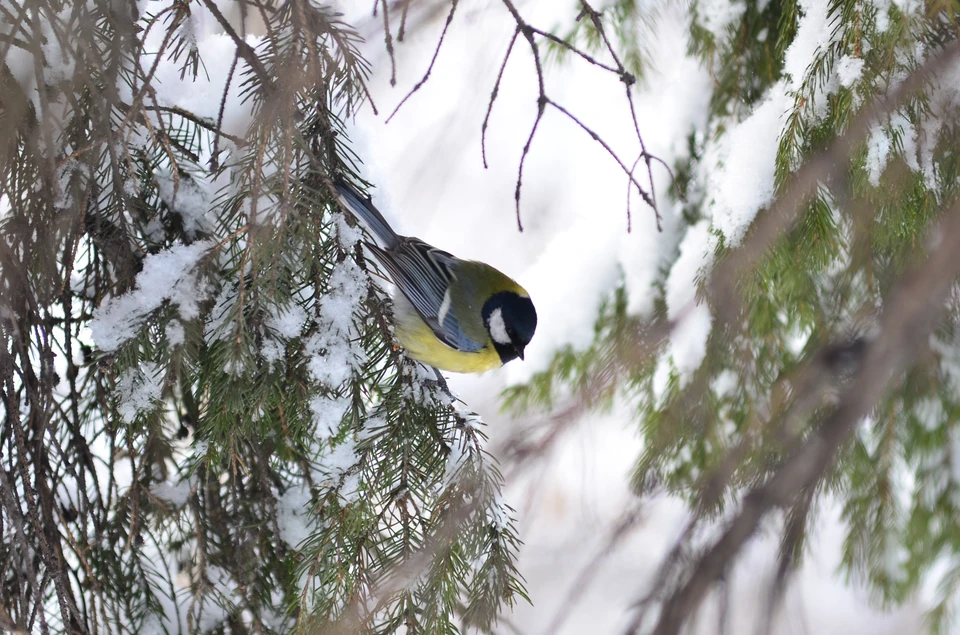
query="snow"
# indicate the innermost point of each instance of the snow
(333, 353)
(138, 390)
(882, 14)
(814, 33)
(717, 16)
(169, 275)
(724, 383)
(955, 456)
(175, 333)
(930, 414)
(191, 199)
(849, 69)
(287, 322)
(327, 414)
(878, 152)
(296, 515)
(202, 97)
(349, 236)
(175, 494)
(336, 464)
(60, 63)
(906, 139)
(688, 340)
(455, 460)
(745, 182)
(499, 514)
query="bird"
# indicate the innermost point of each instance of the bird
(457, 315)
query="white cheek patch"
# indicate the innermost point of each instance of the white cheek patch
(498, 330)
(444, 307)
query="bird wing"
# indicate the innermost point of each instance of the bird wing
(425, 274)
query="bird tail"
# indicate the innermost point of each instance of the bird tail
(362, 208)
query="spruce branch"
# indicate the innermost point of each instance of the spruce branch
(908, 317)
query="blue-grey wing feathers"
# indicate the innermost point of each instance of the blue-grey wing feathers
(424, 275)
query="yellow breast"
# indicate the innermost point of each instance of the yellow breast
(421, 344)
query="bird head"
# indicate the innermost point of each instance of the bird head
(511, 322)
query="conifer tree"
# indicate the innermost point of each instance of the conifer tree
(206, 427)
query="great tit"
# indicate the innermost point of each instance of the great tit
(457, 315)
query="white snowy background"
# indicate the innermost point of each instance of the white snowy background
(427, 167)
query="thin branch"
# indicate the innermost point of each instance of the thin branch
(541, 106)
(433, 60)
(628, 81)
(493, 97)
(202, 122)
(215, 155)
(606, 146)
(527, 32)
(573, 49)
(388, 40)
(403, 20)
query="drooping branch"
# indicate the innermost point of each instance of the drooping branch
(909, 315)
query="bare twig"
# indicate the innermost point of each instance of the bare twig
(215, 155)
(403, 20)
(606, 146)
(388, 40)
(493, 98)
(573, 49)
(433, 60)
(530, 34)
(527, 32)
(628, 81)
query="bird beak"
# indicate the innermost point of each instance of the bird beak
(519, 350)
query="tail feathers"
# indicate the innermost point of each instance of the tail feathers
(362, 208)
